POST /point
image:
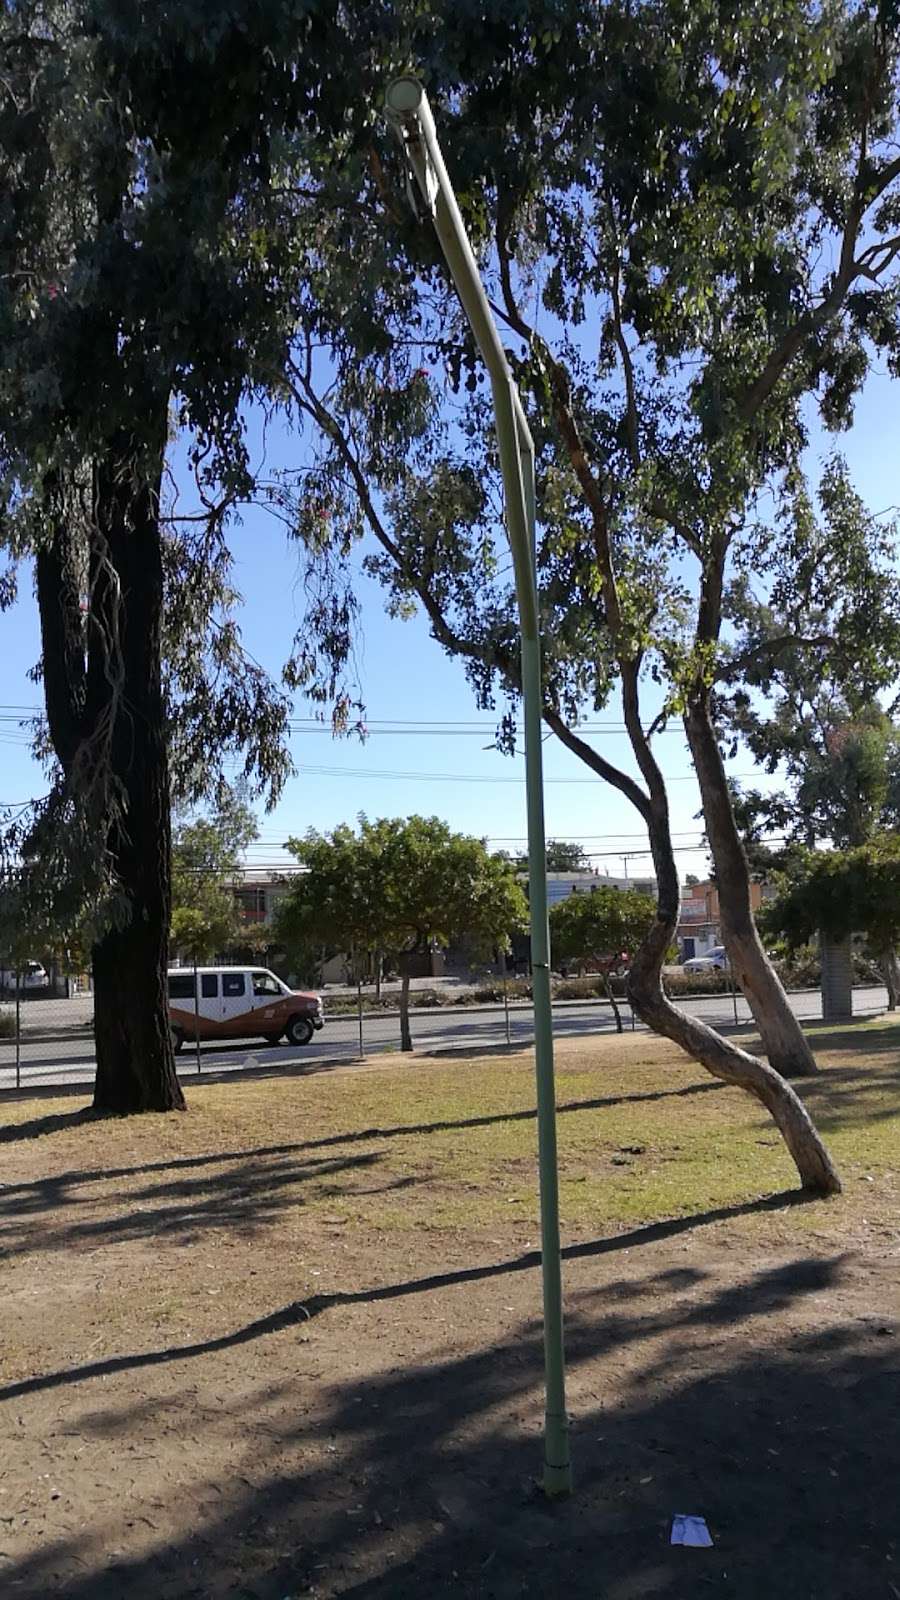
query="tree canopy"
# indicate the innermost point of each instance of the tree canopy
(815, 661)
(565, 856)
(605, 924)
(602, 926)
(207, 853)
(398, 885)
(841, 893)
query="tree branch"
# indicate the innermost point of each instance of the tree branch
(849, 268)
(513, 315)
(500, 661)
(592, 758)
(740, 664)
(631, 410)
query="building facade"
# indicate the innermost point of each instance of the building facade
(700, 922)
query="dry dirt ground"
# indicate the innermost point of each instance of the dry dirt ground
(289, 1343)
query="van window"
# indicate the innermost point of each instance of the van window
(232, 983)
(181, 986)
(209, 985)
(264, 983)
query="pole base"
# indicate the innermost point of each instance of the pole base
(557, 1481)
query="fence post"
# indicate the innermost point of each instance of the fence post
(733, 989)
(505, 996)
(18, 1031)
(197, 1015)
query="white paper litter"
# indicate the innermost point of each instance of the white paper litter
(691, 1530)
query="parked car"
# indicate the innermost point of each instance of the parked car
(240, 1003)
(31, 976)
(715, 960)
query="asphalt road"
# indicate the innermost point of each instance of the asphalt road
(71, 1061)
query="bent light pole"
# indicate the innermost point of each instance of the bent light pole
(410, 114)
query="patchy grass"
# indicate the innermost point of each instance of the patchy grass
(289, 1342)
(643, 1134)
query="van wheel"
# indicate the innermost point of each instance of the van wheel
(299, 1030)
(177, 1039)
(271, 1038)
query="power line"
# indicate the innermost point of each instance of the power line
(600, 855)
(424, 728)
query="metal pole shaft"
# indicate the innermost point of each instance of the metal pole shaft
(408, 105)
(557, 1467)
(518, 479)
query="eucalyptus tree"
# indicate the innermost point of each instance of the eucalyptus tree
(148, 273)
(688, 219)
(168, 180)
(823, 717)
(207, 854)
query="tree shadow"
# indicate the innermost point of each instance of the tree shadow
(54, 1122)
(420, 1480)
(303, 1311)
(242, 1200)
(57, 1186)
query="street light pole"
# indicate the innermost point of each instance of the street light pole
(410, 114)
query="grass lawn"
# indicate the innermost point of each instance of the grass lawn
(289, 1343)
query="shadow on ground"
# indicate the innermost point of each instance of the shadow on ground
(419, 1481)
(300, 1312)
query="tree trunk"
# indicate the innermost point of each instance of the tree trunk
(783, 1038)
(106, 718)
(889, 962)
(135, 1061)
(718, 1055)
(405, 1035)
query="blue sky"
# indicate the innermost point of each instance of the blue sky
(406, 677)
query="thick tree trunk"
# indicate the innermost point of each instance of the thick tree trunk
(107, 723)
(405, 1035)
(135, 1061)
(889, 962)
(783, 1038)
(718, 1055)
(135, 1064)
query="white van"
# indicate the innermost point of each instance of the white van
(239, 1003)
(31, 976)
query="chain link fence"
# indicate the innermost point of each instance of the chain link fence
(52, 1043)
